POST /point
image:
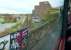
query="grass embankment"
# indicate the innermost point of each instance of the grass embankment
(14, 28)
(9, 30)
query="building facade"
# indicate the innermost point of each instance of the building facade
(40, 10)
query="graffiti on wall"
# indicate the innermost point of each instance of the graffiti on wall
(3, 44)
(18, 40)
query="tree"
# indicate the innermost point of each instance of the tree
(51, 14)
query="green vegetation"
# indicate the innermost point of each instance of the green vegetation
(7, 19)
(51, 15)
(2, 20)
(18, 25)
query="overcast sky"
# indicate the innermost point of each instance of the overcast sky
(23, 6)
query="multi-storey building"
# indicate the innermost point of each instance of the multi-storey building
(40, 10)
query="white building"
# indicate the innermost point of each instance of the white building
(36, 19)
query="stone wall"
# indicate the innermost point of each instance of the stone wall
(37, 35)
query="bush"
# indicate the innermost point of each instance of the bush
(51, 15)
